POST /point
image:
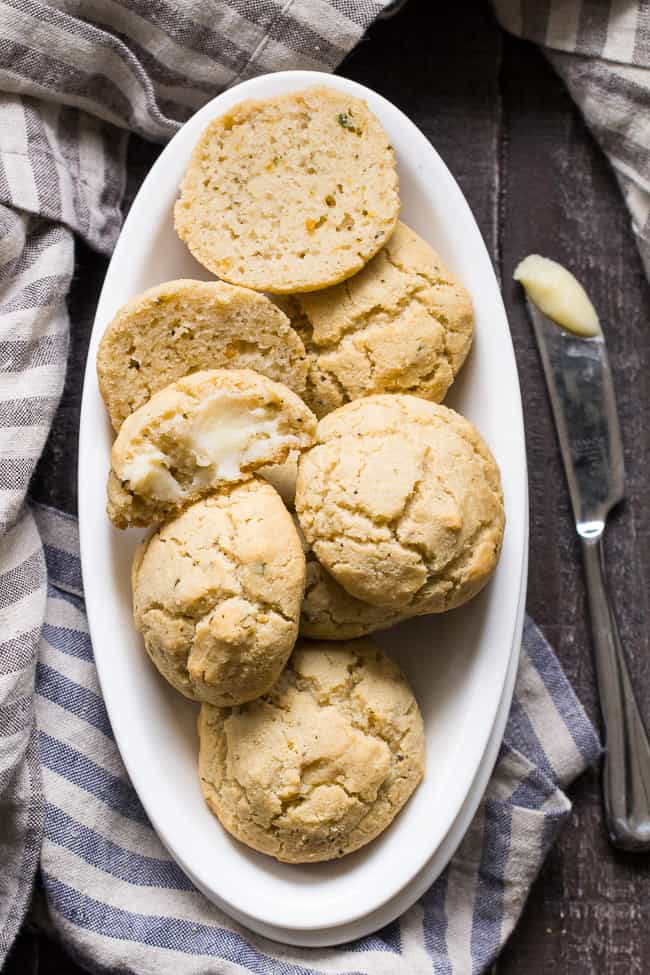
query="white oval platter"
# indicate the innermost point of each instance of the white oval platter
(458, 663)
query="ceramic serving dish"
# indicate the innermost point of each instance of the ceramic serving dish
(458, 663)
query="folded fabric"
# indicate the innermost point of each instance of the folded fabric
(74, 82)
(120, 903)
(602, 52)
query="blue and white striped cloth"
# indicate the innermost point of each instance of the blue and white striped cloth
(120, 903)
(75, 79)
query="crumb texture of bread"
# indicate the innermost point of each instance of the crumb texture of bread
(186, 326)
(200, 433)
(291, 193)
(403, 324)
(400, 500)
(217, 594)
(321, 764)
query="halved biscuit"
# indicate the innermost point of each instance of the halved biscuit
(291, 193)
(204, 431)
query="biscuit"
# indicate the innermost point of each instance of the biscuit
(283, 477)
(291, 193)
(181, 327)
(328, 612)
(201, 432)
(403, 324)
(217, 593)
(401, 501)
(322, 763)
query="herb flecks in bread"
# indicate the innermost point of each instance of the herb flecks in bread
(185, 326)
(291, 193)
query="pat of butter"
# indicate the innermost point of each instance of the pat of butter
(558, 295)
(224, 436)
(147, 473)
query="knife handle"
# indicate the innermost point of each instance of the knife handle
(626, 770)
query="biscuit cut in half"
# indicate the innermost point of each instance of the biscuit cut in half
(217, 593)
(323, 762)
(401, 502)
(403, 324)
(184, 326)
(291, 193)
(205, 431)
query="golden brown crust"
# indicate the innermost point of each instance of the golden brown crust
(217, 594)
(321, 764)
(403, 324)
(400, 500)
(330, 613)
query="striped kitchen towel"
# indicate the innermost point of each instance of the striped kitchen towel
(602, 53)
(75, 79)
(119, 902)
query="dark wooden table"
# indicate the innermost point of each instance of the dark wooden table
(536, 181)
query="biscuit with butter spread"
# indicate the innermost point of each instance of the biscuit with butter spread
(205, 431)
(323, 762)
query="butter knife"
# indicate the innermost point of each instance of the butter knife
(581, 392)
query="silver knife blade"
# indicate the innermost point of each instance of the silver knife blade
(581, 391)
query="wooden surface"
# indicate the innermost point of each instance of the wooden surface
(536, 181)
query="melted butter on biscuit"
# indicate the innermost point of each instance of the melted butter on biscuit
(224, 435)
(558, 294)
(147, 470)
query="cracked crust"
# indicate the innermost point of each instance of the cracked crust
(400, 500)
(328, 612)
(321, 764)
(217, 594)
(195, 435)
(291, 193)
(403, 324)
(184, 326)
